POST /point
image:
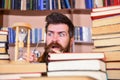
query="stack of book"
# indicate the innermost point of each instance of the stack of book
(15, 71)
(77, 64)
(4, 56)
(106, 37)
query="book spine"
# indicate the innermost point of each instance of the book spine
(81, 33)
(39, 5)
(40, 34)
(98, 3)
(63, 4)
(67, 3)
(11, 35)
(89, 4)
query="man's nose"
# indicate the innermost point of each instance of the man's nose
(55, 38)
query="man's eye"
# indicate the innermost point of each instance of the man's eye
(62, 34)
(49, 34)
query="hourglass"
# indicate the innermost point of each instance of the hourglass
(22, 31)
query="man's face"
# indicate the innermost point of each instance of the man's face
(57, 38)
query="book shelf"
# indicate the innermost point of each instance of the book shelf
(8, 17)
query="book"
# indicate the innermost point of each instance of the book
(106, 21)
(108, 29)
(88, 4)
(22, 68)
(105, 8)
(112, 56)
(101, 14)
(3, 38)
(77, 65)
(3, 44)
(3, 32)
(11, 35)
(18, 76)
(105, 36)
(98, 75)
(113, 65)
(3, 61)
(107, 42)
(59, 78)
(106, 49)
(97, 3)
(23, 5)
(3, 50)
(4, 56)
(75, 56)
(113, 74)
(112, 20)
(67, 4)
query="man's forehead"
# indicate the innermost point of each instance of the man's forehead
(57, 27)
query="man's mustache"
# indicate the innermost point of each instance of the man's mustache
(52, 45)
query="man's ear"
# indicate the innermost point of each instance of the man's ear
(71, 41)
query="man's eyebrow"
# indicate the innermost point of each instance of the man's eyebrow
(62, 32)
(58, 32)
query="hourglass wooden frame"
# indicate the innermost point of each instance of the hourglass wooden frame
(17, 27)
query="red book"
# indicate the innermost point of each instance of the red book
(116, 2)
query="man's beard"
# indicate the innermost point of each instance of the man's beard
(56, 44)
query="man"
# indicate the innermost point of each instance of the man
(59, 34)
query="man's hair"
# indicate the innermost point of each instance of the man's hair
(58, 18)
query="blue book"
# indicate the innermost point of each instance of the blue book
(67, 4)
(89, 4)
(39, 5)
(30, 36)
(47, 4)
(36, 35)
(11, 35)
(62, 4)
(77, 33)
(40, 34)
(81, 34)
(28, 4)
(54, 4)
(33, 35)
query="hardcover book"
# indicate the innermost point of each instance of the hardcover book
(106, 49)
(22, 68)
(106, 8)
(111, 20)
(102, 14)
(59, 78)
(98, 75)
(77, 65)
(75, 56)
(107, 42)
(18, 76)
(112, 56)
(4, 56)
(113, 74)
(113, 65)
